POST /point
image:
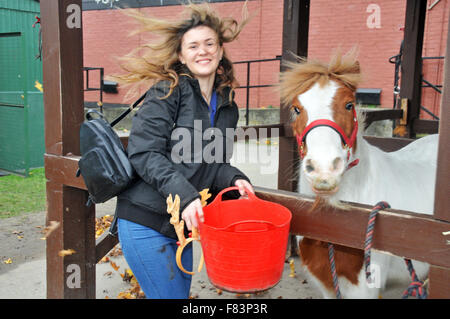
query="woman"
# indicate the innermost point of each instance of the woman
(193, 92)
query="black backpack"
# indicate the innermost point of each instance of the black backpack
(104, 163)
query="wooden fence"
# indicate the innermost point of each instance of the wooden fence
(396, 231)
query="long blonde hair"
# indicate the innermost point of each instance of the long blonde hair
(157, 61)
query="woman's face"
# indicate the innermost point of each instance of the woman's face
(201, 51)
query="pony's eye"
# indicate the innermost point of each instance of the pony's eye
(349, 106)
(296, 110)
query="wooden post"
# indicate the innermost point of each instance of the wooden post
(295, 40)
(71, 276)
(440, 277)
(411, 67)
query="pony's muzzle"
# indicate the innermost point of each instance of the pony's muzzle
(336, 167)
(324, 180)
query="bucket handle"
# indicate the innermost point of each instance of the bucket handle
(218, 199)
(194, 237)
(270, 224)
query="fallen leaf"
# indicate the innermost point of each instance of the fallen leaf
(104, 260)
(38, 86)
(116, 251)
(8, 261)
(113, 264)
(102, 224)
(292, 266)
(125, 295)
(50, 229)
(66, 252)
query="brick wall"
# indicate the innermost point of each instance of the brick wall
(106, 38)
(338, 23)
(345, 23)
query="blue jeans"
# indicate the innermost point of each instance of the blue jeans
(151, 257)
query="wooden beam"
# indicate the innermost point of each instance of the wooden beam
(439, 283)
(442, 198)
(402, 233)
(295, 40)
(411, 67)
(440, 278)
(71, 276)
(62, 169)
(426, 126)
(371, 116)
(104, 244)
(388, 144)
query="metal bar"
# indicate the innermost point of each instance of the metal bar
(432, 57)
(87, 80)
(435, 87)
(411, 66)
(248, 95)
(102, 71)
(423, 108)
(278, 58)
(256, 86)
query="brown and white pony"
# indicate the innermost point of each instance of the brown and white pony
(337, 164)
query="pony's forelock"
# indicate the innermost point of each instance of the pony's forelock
(304, 73)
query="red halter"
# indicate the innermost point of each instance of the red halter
(348, 142)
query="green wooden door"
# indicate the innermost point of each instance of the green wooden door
(14, 155)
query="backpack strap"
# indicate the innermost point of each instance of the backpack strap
(89, 116)
(128, 110)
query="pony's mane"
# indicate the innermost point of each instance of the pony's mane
(304, 73)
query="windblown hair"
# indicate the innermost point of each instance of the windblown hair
(304, 73)
(157, 61)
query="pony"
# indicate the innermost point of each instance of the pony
(338, 165)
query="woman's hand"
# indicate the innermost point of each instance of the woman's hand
(244, 186)
(192, 214)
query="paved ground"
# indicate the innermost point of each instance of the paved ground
(25, 276)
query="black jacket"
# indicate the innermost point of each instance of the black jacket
(168, 163)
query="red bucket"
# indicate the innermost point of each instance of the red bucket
(244, 242)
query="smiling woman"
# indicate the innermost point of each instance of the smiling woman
(192, 92)
(201, 53)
